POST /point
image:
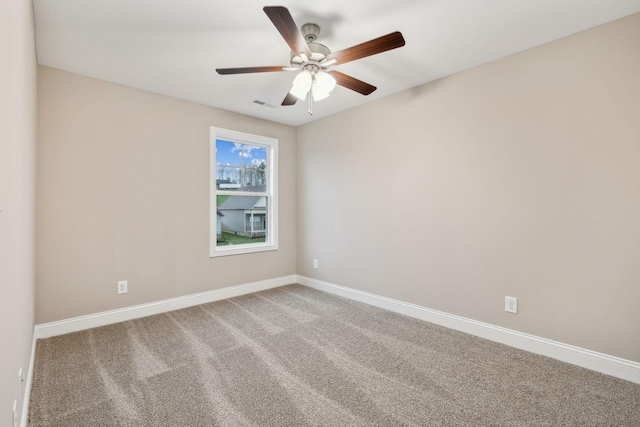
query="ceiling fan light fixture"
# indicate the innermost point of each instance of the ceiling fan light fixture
(323, 84)
(318, 95)
(324, 81)
(302, 84)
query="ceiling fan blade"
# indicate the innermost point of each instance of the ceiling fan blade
(289, 100)
(245, 70)
(372, 47)
(352, 83)
(281, 18)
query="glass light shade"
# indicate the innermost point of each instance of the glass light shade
(323, 84)
(317, 93)
(301, 85)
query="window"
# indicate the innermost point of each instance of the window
(243, 193)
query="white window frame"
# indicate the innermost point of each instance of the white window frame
(271, 193)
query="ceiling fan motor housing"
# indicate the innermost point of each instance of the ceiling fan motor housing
(318, 51)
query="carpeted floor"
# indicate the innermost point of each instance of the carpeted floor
(294, 356)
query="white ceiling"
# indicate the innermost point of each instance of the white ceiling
(173, 47)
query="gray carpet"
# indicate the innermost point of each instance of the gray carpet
(294, 356)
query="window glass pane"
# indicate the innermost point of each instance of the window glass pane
(241, 167)
(244, 194)
(241, 220)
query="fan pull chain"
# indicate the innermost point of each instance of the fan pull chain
(310, 110)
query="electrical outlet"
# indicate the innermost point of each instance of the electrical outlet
(511, 304)
(123, 287)
(315, 263)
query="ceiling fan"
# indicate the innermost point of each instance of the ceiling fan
(314, 60)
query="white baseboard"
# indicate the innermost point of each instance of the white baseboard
(80, 323)
(604, 363)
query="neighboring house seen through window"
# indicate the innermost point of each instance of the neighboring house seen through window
(243, 193)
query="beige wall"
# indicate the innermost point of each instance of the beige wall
(123, 184)
(520, 178)
(17, 183)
